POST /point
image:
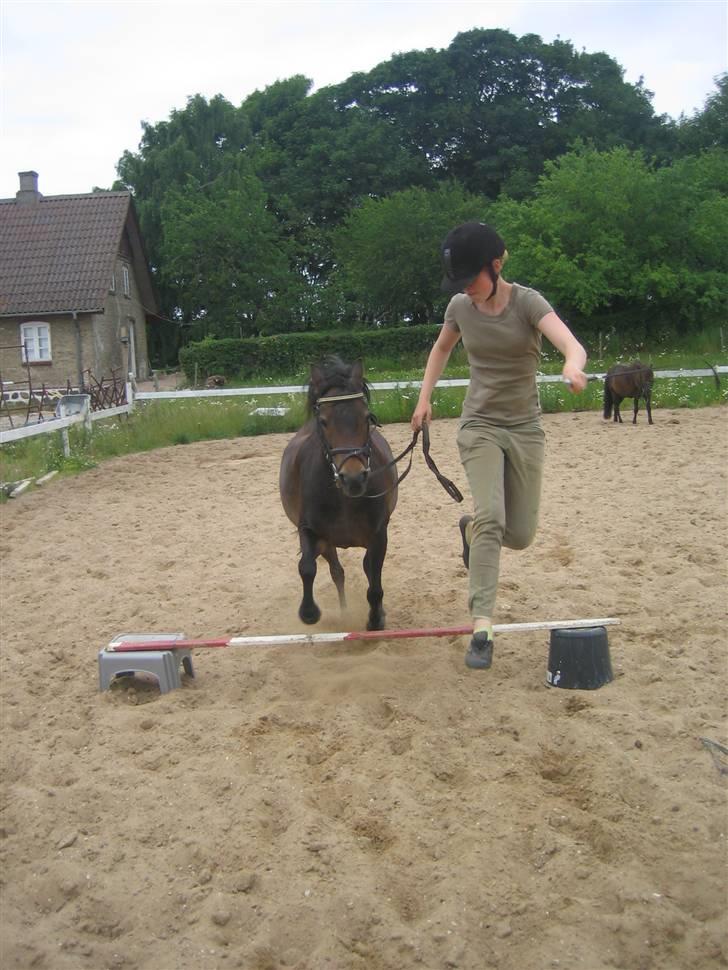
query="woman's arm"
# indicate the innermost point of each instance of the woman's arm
(438, 358)
(556, 331)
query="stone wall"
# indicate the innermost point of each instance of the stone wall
(104, 341)
(63, 368)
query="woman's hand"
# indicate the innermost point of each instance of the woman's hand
(422, 414)
(556, 331)
(574, 377)
(436, 361)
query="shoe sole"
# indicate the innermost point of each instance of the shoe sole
(479, 659)
(477, 662)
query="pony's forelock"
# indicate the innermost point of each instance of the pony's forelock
(335, 374)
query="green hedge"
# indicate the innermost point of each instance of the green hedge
(290, 353)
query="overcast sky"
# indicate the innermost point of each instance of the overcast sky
(78, 78)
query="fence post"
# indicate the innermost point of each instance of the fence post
(71, 404)
(130, 393)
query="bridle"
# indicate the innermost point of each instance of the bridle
(364, 453)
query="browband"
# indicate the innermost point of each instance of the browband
(341, 397)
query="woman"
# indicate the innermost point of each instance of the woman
(500, 438)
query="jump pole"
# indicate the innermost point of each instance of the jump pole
(316, 639)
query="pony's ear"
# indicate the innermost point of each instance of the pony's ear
(317, 376)
(357, 371)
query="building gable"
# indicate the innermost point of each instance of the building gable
(57, 253)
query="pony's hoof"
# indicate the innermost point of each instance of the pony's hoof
(376, 623)
(310, 616)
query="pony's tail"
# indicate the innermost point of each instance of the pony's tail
(607, 400)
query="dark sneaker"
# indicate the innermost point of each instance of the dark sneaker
(464, 522)
(480, 652)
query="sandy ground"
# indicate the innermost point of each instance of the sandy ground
(375, 806)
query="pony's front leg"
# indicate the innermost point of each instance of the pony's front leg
(636, 408)
(308, 611)
(373, 562)
(337, 572)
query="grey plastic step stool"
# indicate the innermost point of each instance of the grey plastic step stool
(162, 664)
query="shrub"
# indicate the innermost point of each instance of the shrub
(291, 353)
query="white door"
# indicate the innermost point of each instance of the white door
(132, 368)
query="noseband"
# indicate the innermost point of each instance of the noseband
(362, 454)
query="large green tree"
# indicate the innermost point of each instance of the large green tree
(388, 251)
(707, 128)
(492, 108)
(193, 144)
(192, 148)
(487, 113)
(609, 233)
(223, 255)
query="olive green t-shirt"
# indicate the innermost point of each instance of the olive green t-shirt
(503, 353)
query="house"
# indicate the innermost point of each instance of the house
(76, 293)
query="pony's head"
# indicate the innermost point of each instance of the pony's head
(331, 376)
(338, 399)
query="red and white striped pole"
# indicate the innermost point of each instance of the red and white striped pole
(316, 639)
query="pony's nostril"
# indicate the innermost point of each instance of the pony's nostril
(354, 485)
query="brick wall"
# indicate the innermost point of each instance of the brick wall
(102, 348)
(121, 313)
(63, 366)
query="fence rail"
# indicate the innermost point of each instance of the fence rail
(132, 396)
(386, 385)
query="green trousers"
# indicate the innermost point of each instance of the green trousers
(504, 466)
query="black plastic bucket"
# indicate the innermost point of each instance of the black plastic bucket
(579, 659)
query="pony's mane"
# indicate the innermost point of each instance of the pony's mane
(335, 374)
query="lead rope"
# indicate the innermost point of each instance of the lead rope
(450, 487)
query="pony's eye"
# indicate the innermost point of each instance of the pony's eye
(323, 422)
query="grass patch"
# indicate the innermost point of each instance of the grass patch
(159, 424)
(152, 425)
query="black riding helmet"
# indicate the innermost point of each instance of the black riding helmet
(468, 249)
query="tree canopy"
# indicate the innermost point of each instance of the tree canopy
(609, 231)
(386, 254)
(223, 253)
(303, 209)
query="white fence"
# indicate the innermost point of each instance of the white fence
(132, 396)
(49, 425)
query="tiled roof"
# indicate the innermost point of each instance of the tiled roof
(57, 253)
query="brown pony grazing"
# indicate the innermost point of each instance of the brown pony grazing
(628, 380)
(338, 484)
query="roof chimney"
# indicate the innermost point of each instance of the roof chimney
(28, 188)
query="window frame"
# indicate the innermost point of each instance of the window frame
(34, 345)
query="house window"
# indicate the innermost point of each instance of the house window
(125, 280)
(112, 288)
(36, 341)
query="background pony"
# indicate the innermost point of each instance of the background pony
(628, 380)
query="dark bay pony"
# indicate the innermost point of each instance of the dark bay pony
(338, 484)
(628, 380)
